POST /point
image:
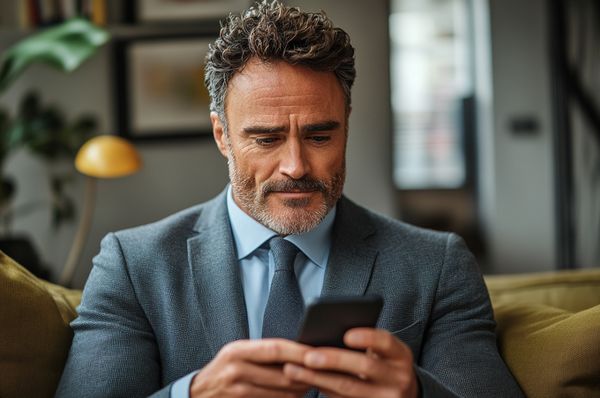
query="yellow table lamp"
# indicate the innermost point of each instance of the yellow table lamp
(104, 156)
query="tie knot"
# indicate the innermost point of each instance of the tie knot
(284, 253)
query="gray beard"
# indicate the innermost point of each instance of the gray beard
(295, 219)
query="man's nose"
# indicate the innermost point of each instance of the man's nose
(293, 162)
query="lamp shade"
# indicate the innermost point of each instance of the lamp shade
(107, 156)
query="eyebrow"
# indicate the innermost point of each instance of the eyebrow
(309, 128)
(263, 129)
(323, 126)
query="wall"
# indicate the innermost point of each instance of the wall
(517, 171)
(177, 175)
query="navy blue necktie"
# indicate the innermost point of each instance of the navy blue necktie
(285, 306)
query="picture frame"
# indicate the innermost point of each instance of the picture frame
(159, 11)
(159, 87)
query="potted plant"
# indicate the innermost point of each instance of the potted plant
(42, 129)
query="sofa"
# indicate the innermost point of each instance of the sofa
(548, 331)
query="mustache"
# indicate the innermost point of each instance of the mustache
(305, 184)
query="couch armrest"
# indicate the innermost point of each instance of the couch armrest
(572, 290)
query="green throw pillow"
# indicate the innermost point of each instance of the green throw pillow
(550, 351)
(35, 335)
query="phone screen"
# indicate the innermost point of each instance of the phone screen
(327, 319)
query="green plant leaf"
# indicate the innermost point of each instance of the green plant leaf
(4, 119)
(30, 105)
(63, 207)
(4, 125)
(65, 47)
(7, 189)
(15, 135)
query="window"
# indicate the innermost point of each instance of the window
(431, 75)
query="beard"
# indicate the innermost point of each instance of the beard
(295, 217)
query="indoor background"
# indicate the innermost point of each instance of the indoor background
(515, 129)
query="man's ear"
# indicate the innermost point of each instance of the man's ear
(219, 133)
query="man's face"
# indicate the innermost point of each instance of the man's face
(285, 144)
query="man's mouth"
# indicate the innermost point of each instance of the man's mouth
(294, 189)
(295, 193)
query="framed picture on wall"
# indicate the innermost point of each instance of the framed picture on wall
(160, 91)
(188, 10)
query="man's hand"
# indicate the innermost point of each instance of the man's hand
(385, 370)
(251, 368)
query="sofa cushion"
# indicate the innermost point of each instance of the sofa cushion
(551, 352)
(34, 335)
(572, 290)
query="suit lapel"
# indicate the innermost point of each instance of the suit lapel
(352, 258)
(217, 276)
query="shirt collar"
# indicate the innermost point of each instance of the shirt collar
(249, 234)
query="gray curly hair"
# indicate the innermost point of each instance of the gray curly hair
(272, 31)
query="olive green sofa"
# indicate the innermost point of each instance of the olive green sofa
(548, 331)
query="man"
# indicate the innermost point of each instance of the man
(193, 305)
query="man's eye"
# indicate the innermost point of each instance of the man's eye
(265, 141)
(320, 138)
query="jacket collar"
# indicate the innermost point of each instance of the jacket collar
(352, 255)
(217, 276)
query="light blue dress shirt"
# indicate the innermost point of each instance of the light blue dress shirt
(257, 267)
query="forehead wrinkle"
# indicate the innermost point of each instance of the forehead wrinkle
(260, 89)
(301, 101)
(269, 95)
(282, 98)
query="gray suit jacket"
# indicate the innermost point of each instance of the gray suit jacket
(162, 299)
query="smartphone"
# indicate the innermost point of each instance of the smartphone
(327, 319)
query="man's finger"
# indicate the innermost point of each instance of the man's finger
(252, 391)
(333, 383)
(346, 361)
(379, 341)
(265, 351)
(262, 376)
